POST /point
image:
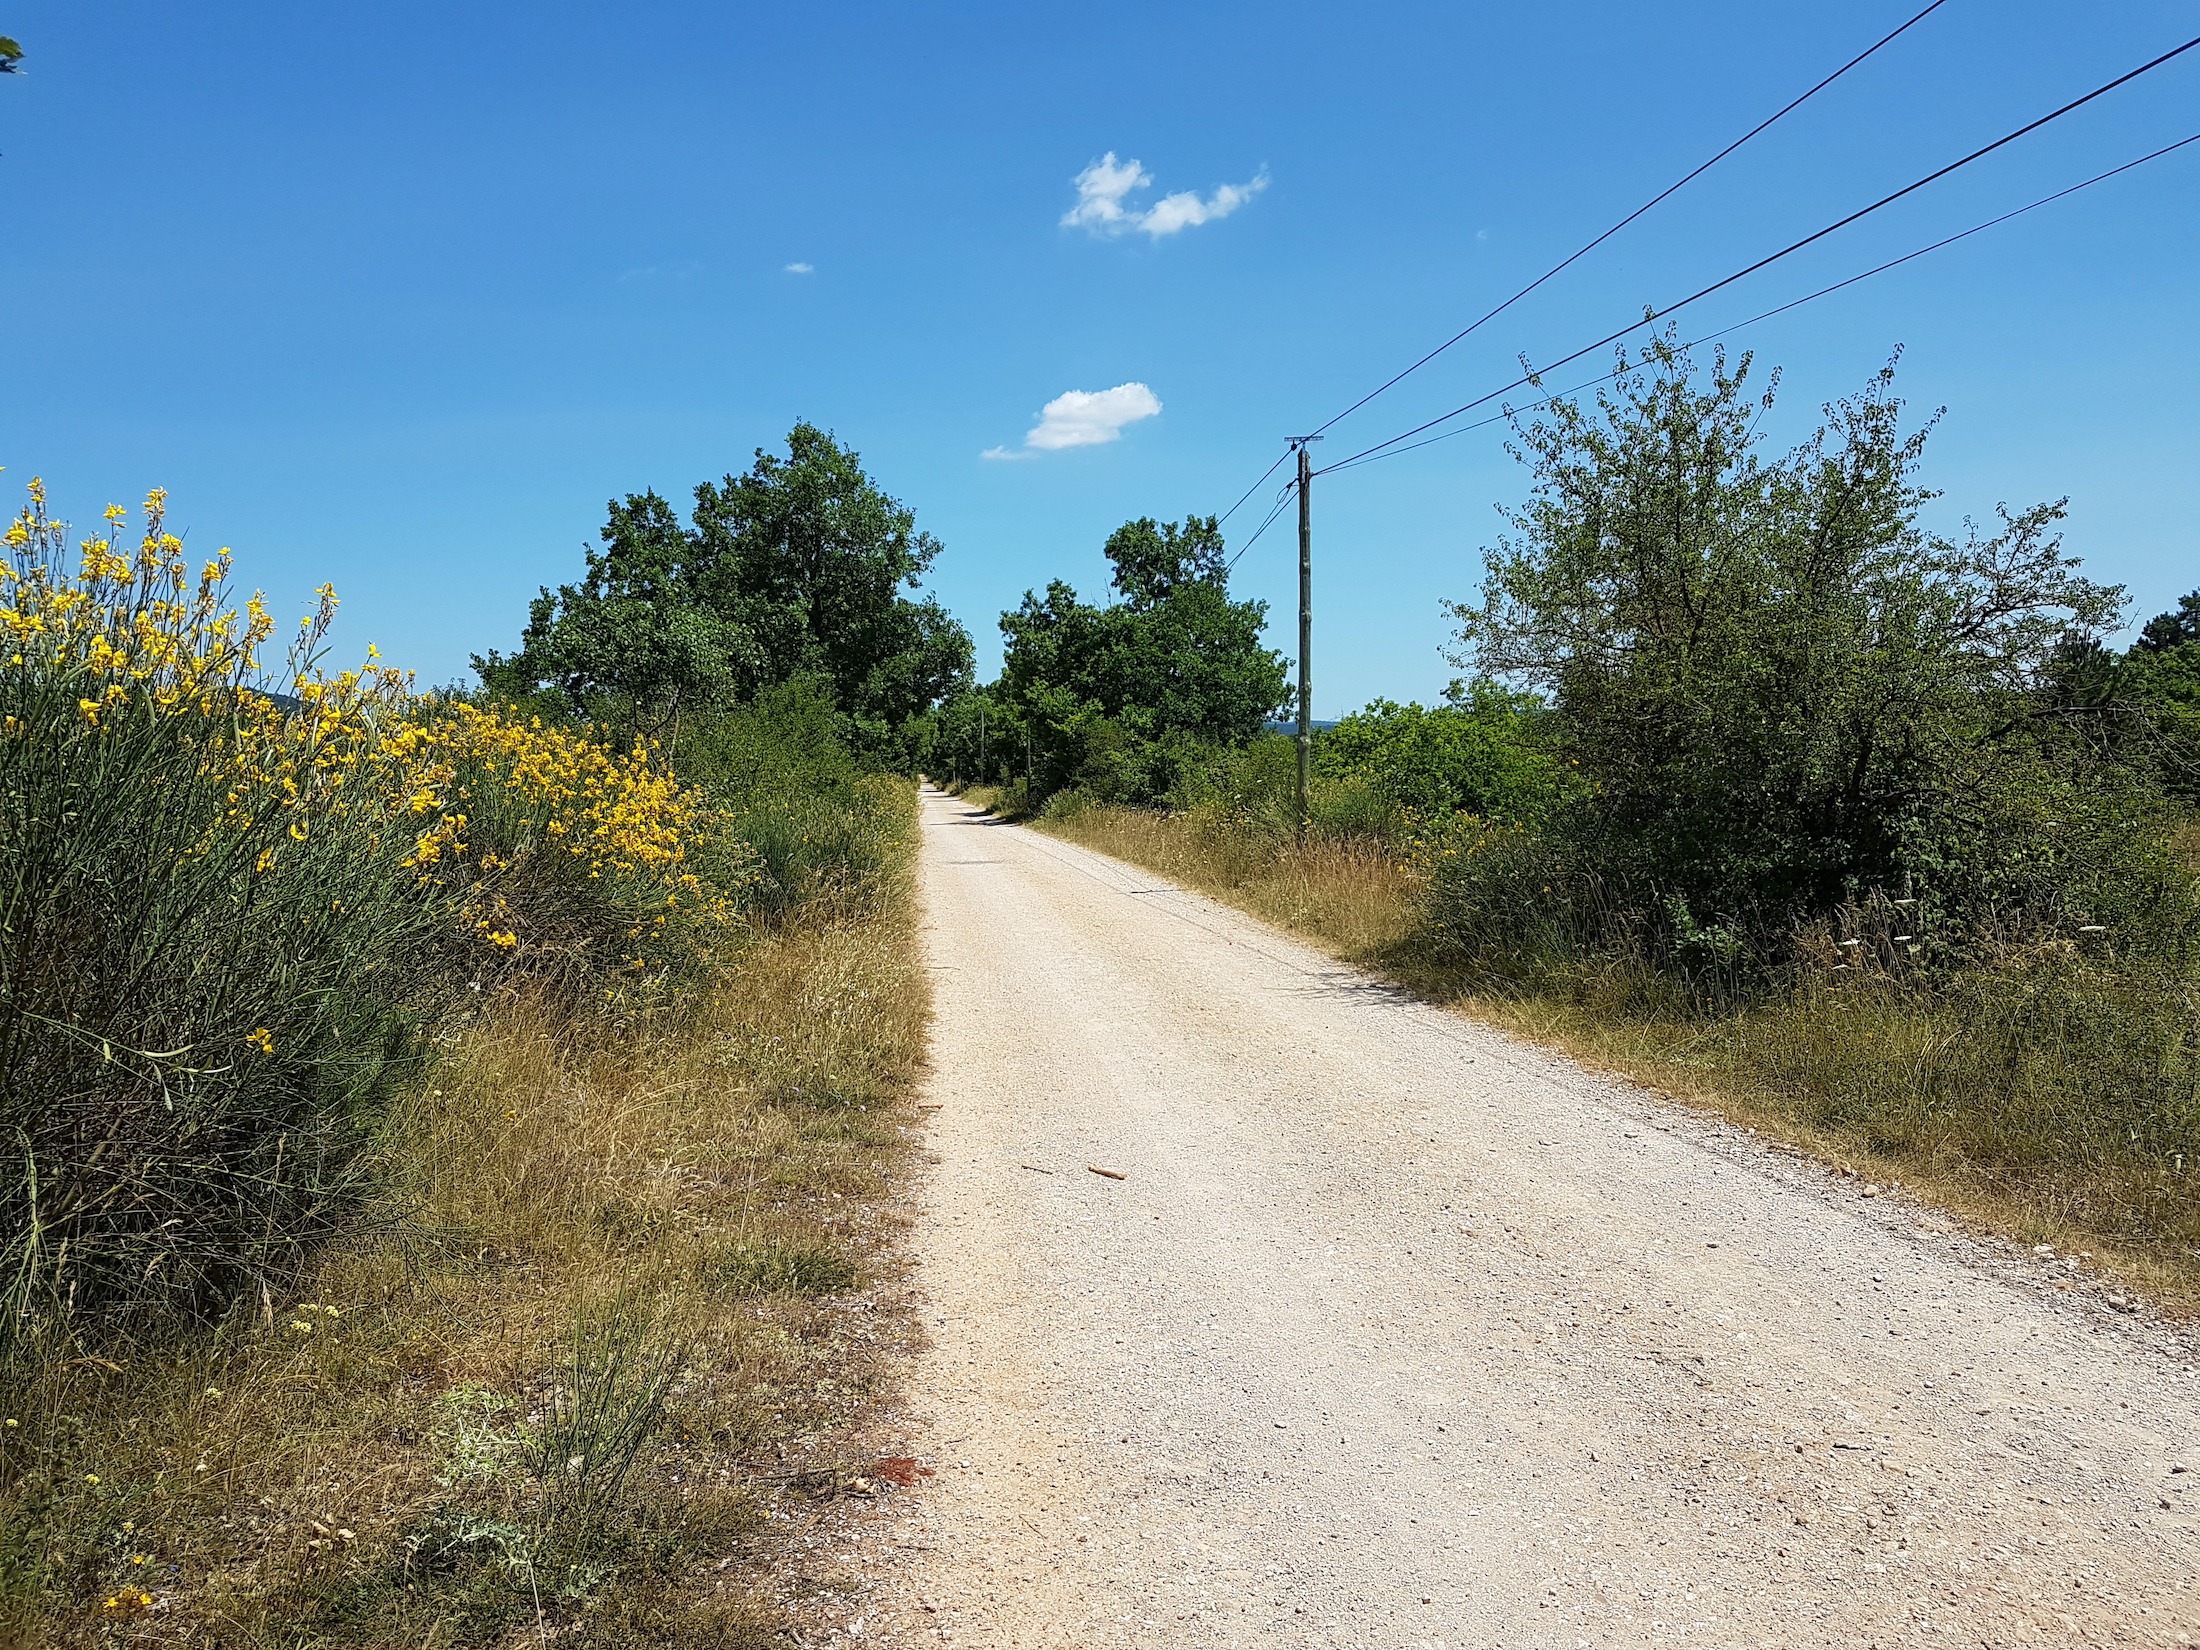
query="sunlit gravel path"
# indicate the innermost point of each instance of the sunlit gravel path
(1396, 1332)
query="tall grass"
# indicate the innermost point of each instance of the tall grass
(554, 1387)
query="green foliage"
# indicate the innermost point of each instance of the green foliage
(635, 633)
(211, 949)
(788, 741)
(1779, 688)
(2159, 679)
(795, 569)
(2165, 632)
(794, 797)
(192, 1052)
(603, 1414)
(1107, 698)
(782, 1268)
(1483, 753)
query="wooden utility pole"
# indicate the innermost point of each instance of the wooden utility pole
(1306, 630)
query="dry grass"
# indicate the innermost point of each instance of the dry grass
(1865, 1081)
(1350, 895)
(547, 1396)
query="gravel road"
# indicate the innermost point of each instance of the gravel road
(1398, 1332)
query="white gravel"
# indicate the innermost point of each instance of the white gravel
(1398, 1332)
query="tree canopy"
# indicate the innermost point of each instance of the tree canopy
(1107, 697)
(1175, 655)
(1779, 686)
(2159, 678)
(798, 568)
(1174, 659)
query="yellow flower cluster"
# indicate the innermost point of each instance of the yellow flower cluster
(134, 635)
(133, 624)
(618, 812)
(615, 816)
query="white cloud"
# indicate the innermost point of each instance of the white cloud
(1103, 195)
(1084, 418)
(801, 269)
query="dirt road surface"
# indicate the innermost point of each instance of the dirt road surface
(1396, 1332)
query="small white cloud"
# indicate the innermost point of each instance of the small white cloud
(801, 269)
(1100, 191)
(1104, 189)
(1084, 418)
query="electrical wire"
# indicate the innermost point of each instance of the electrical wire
(1772, 258)
(1670, 190)
(1590, 246)
(1250, 491)
(1282, 499)
(1781, 309)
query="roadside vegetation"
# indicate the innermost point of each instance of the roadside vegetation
(1757, 788)
(452, 1136)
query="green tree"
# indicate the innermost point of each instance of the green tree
(799, 568)
(635, 635)
(2159, 678)
(2180, 627)
(1777, 684)
(1174, 660)
(1480, 753)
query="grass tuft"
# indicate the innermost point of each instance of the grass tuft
(782, 1269)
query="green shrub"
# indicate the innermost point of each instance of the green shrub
(214, 951)
(1781, 690)
(233, 900)
(1482, 753)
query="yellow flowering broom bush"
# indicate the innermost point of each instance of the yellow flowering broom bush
(235, 893)
(565, 858)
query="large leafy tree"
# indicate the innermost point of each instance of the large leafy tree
(800, 568)
(1174, 655)
(1101, 696)
(1778, 684)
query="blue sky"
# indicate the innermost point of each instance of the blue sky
(399, 295)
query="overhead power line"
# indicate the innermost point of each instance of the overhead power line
(1793, 247)
(1283, 499)
(1782, 309)
(1250, 491)
(1590, 246)
(1663, 194)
